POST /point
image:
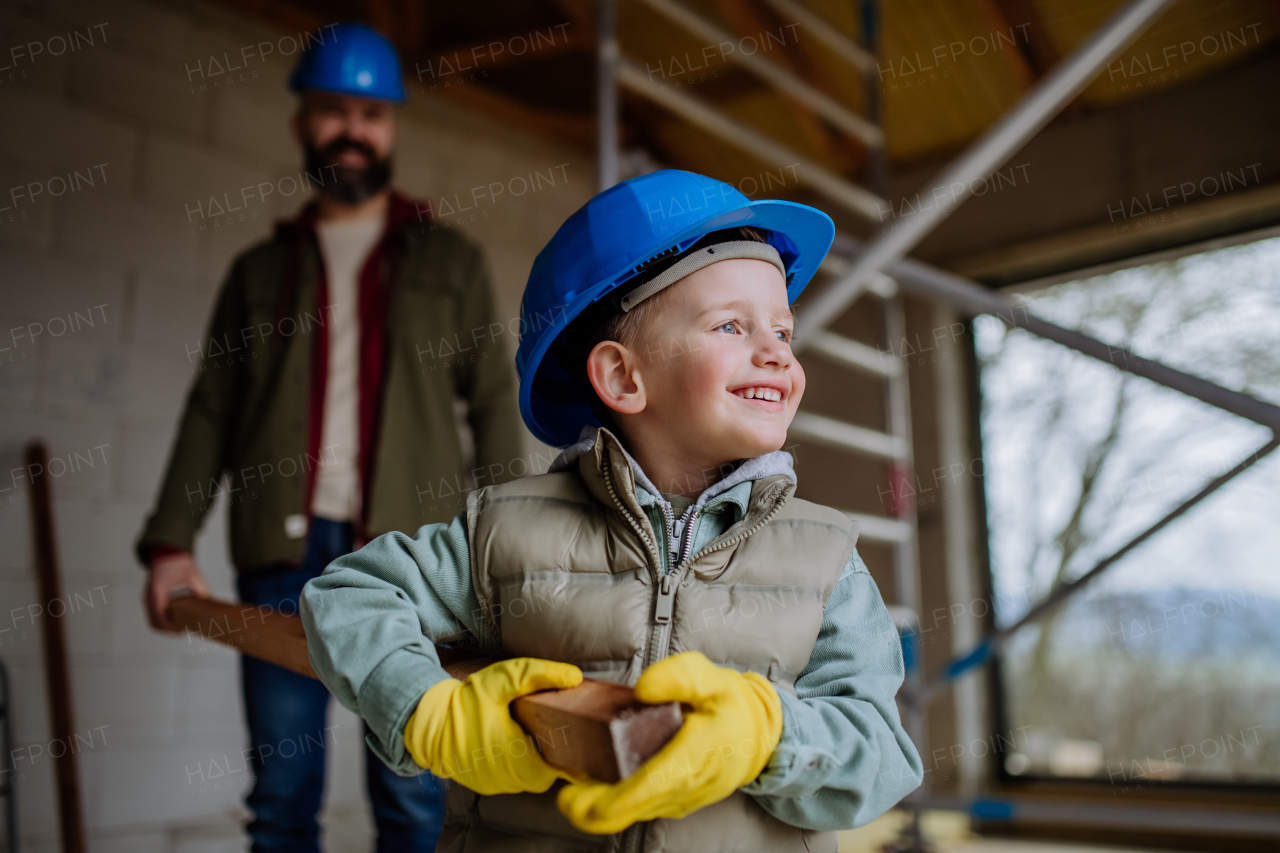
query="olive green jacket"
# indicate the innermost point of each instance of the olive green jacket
(250, 410)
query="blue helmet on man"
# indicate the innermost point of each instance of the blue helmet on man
(350, 59)
(607, 242)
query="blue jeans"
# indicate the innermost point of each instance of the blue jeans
(286, 713)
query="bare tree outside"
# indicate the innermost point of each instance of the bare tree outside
(1167, 667)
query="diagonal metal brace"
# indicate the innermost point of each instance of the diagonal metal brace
(990, 644)
(1032, 112)
(928, 282)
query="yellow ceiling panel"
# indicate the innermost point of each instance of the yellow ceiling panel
(945, 73)
(946, 70)
(1191, 39)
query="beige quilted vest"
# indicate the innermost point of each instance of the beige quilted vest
(567, 567)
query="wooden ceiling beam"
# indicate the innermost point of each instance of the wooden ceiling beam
(282, 14)
(572, 42)
(382, 17)
(415, 19)
(1005, 16)
(1039, 51)
(1039, 55)
(572, 128)
(580, 17)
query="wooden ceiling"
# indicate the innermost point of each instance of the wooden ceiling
(945, 69)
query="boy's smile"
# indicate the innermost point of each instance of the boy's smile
(710, 379)
(765, 396)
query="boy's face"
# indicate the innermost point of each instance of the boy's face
(713, 376)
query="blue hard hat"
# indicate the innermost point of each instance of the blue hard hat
(601, 245)
(350, 59)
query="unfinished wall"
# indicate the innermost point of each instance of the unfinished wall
(107, 281)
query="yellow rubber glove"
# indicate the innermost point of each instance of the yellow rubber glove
(464, 731)
(724, 743)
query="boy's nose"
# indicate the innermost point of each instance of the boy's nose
(773, 351)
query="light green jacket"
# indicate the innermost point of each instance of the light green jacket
(373, 616)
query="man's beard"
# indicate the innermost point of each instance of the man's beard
(343, 184)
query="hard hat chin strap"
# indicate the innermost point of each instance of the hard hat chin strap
(704, 257)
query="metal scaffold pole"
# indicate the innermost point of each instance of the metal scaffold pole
(607, 92)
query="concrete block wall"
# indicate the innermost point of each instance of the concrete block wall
(105, 288)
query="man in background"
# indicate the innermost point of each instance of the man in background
(324, 400)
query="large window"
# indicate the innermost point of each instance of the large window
(1166, 668)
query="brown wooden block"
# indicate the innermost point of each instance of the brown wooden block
(597, 728)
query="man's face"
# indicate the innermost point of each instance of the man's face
(348, 143)
(715, 359)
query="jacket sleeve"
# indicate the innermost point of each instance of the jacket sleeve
(205, 432)
(844, 758)
(372, 621)
(489, 383)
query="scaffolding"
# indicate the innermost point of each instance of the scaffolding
(881, 269)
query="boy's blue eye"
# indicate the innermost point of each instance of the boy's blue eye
(783, 335)
(732, 327)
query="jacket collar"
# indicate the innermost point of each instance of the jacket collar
(598, 448)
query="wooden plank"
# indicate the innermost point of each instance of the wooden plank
(55, 652)
(260, 632)
(597, 728)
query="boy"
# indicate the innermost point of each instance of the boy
(663, 550)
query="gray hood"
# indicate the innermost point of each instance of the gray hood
(755, 468)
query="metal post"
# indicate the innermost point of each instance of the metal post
(959, 530)
(906, 564)
(898, 415)
(877, 158)
(1024, 121)
(607, 92)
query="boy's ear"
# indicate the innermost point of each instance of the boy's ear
(611, 367)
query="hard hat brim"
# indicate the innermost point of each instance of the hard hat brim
(353, 93)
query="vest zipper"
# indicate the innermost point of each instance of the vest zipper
(662, 647)
(665, 605)
(665, 586)
(633, 836)
(658, 562)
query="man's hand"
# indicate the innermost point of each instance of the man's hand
(165, 575)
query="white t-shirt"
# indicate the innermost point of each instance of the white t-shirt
(344, 246)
